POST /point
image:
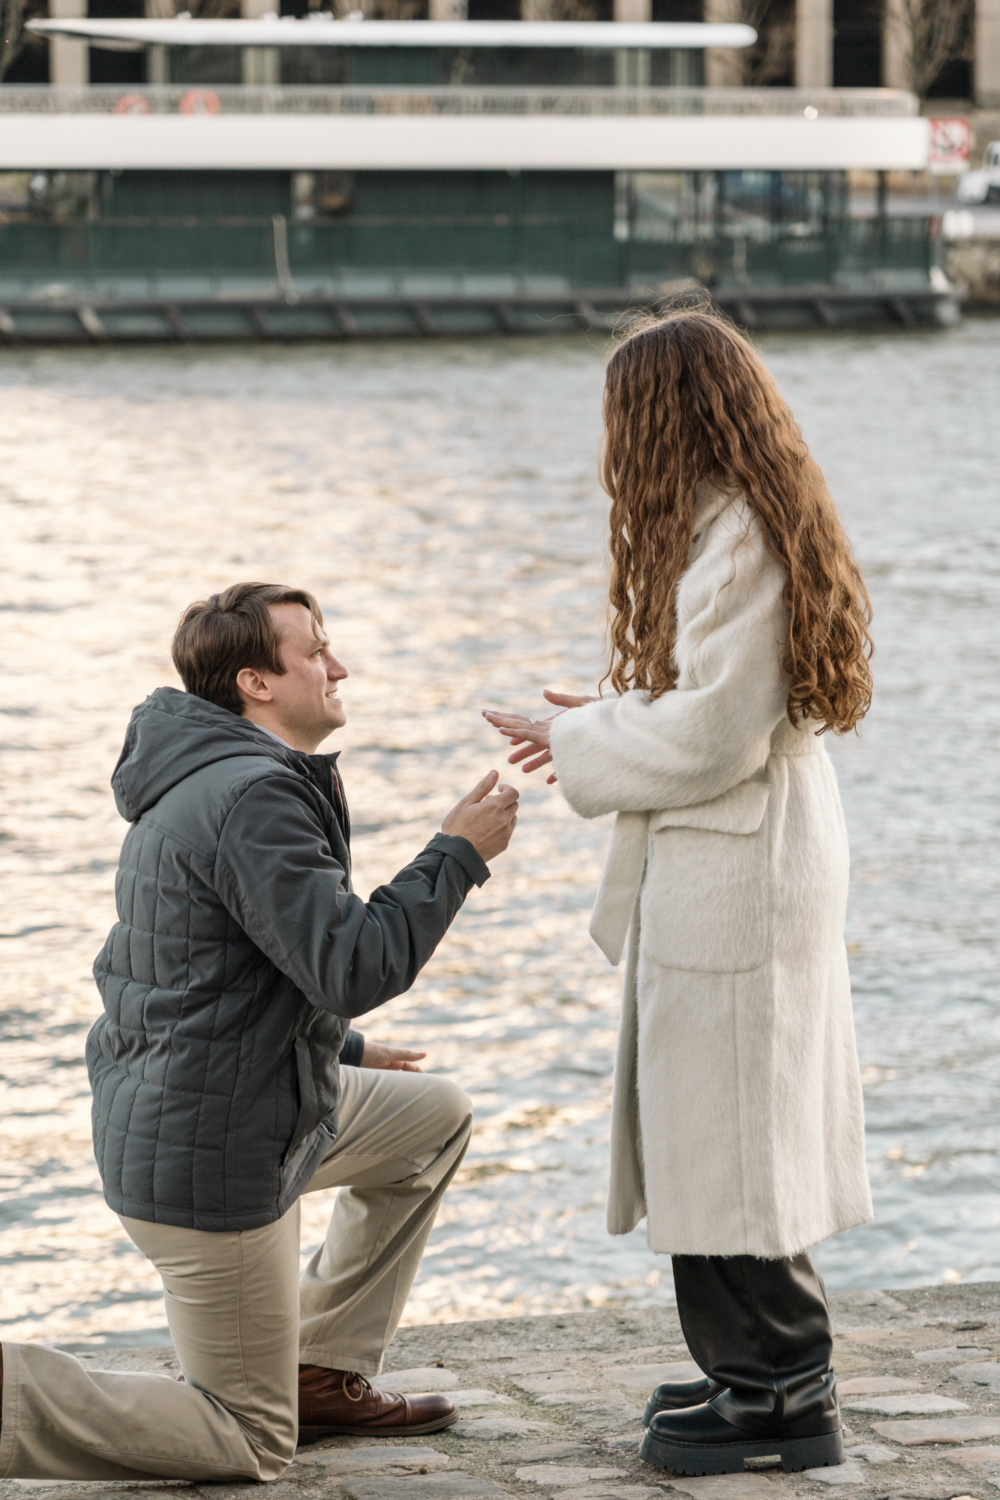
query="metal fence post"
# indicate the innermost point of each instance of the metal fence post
(282, 270)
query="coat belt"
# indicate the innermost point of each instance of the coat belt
(620, 884)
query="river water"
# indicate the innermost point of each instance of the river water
(441, 501)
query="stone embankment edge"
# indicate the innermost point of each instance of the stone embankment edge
(552, 1408)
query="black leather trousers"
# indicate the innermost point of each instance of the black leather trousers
(761, 1329)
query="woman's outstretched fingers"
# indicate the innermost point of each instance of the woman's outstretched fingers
(532, 735)
(566, 700)
(509, 724)
(519, 727)
(527, 747)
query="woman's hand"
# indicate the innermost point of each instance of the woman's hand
(532, 735)
(394, 1059)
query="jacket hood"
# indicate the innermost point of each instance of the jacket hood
(174, 734)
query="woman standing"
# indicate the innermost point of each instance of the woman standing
(739, 628)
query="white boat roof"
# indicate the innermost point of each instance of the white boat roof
(324, 31)
(376, 142)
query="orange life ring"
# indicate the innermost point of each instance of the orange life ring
(199, 102)
(132, 104)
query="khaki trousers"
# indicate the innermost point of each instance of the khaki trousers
(240, 1318)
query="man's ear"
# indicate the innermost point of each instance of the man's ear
(252, 686)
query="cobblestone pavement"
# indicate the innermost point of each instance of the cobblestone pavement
(552, 1407)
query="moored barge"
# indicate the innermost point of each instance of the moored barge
(444, 177)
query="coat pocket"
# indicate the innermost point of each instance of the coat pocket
(705, 903)
(308, 1115)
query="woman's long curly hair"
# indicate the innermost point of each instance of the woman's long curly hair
(687, 399)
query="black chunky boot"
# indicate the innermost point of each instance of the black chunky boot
(675, 1395)
(761, 1330)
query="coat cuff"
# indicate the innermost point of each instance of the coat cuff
(465, 854)
(579, 759)
(353, 1050)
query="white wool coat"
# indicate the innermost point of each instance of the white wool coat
(738, 1126)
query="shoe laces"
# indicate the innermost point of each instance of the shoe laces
(351, 1380)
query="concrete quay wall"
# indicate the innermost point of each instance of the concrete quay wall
(974, 266)
(552, 1407)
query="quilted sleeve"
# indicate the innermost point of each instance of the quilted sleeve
(277, 876)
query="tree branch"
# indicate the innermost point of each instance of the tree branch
(936, 32)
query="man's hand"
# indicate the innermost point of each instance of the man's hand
(395, 1059)
(487, 822)
(533, 735)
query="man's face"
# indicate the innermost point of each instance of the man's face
(305, 694)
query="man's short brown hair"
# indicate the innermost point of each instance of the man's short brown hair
(219, 636)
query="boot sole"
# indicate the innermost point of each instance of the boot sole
(413, 1429)
(728, 1458)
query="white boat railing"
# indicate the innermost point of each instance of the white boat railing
(421, 100)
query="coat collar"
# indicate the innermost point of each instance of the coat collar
(709, 503)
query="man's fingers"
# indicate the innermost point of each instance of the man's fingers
(480, 790)
(506, 795)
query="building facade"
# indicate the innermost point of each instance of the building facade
(803, 43)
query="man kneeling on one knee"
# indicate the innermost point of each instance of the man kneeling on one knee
(227, 1083)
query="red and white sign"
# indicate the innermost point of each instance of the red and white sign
(949, 147)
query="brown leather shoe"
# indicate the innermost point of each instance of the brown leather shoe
(342, 1402)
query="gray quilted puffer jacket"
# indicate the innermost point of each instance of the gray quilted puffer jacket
(239, 955)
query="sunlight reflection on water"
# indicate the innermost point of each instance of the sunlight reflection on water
(442, 502)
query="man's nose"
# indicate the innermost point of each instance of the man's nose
(336, 670)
